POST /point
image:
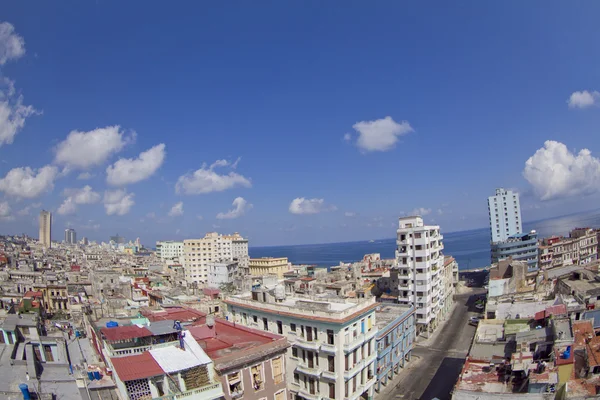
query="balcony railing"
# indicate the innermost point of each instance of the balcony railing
(209, 392)
(305, 344)
(354, 343)
(328, 348)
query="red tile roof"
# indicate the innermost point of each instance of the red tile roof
(136, 367)
(124, 333)
(182, 314)
(32, 294)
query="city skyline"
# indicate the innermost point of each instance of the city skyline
(296, 126)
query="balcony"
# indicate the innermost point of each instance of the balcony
(354, 370)
(316, 371)
(370, 334)
(355, 343)
(307, 395)
(329, 375)
(210, 392)
(304, 344)
(328, 348)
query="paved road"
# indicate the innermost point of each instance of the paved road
(435, 366)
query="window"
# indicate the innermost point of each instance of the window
(234, 380)
(277, 366)
(255, 318)
(294, 352)
(256, 373)
(280, 327)
(265, 324)
(48, 353)
(331, 390)
(293, 327)
(296, 378)
(331, 363)
(331, 336)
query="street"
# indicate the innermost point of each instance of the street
(436, 365)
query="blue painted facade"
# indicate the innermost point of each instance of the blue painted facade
(522, 247)
(394, 343)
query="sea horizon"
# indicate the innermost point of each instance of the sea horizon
(471, 248)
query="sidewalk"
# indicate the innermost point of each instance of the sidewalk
(426, 342)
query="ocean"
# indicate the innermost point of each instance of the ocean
(470, 248)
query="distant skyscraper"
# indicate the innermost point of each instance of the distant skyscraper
(505, 215)
(70, 236)
(117, 239)
(45, 228)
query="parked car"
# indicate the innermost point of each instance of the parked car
(474, 321)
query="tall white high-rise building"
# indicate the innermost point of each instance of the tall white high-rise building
(504, 210)
(45, 228)
(420, 264)
(213, 247)
(70, 236)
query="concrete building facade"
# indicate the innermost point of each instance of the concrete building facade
(521, 247)
(395, 338)
(221, 273)
(199, 253)
(420, 265)
(580, 248)
(45, 237)
(70, 236)
(169, 250)
(269, 266)
(504, 211)
(333, 349)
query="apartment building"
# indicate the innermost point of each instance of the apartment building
(521, 247)
(420, 266)
(504, 211)
(169, 250)
(333, 349)
(580, 248)
(70, 236)
(45, 237)
(198, 253)
(395, 338)
(269, 266)
(239, 251)
(221, 273)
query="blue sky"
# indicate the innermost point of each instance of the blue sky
(271, 118)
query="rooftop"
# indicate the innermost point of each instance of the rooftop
(125, 333)
(386, 314)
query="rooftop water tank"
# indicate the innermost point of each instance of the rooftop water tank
(112, 324)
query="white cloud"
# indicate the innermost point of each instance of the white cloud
(151, 215)
(118, 202)
(129, 170)
(200, 217)
(25, 211)
(5, 212)
(381, 134)
(176, 210)
(555, 172)
(12, 46)
(301, 205)
(240, 207)
(86, 149)
(84, 176)
(206, 180)
(347, 137)
(13, 113)
(85, 195)
(583, 99)
(440, 211)
(421, 211)
(350, 214)
(28, 183)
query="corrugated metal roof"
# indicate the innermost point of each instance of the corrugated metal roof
(172, 359)
(125, 332)
(136, 367)
(161, 327)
